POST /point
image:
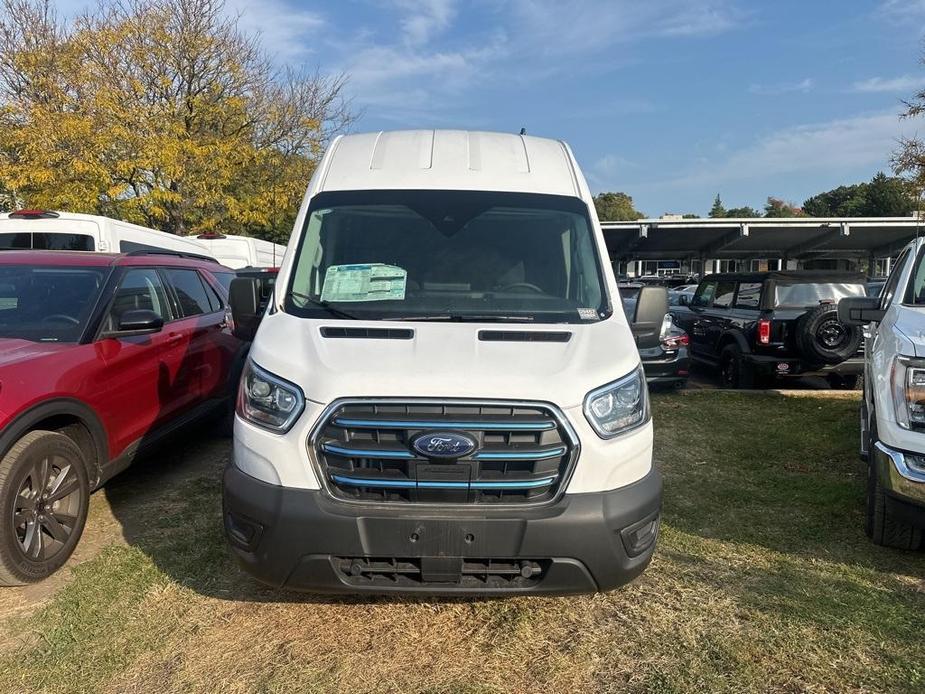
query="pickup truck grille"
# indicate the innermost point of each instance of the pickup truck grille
(364, 452)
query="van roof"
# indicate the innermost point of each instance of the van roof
(450, 160)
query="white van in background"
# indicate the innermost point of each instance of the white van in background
(71, 231)
(242, 251)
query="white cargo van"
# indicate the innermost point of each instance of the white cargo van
(70, 231)
(893, 406)
(242, 251)
(444, 395)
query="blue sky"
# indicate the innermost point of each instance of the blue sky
(668, 100)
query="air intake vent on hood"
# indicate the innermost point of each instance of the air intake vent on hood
(523, 336)
(368, 333)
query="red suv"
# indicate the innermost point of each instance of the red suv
(99, 355)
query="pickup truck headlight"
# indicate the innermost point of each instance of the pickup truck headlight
(908, 381)
(267, 400)
(620, 406)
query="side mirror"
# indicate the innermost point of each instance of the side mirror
(141, 321)
(684, 300)
(860, 310)
(244, 298)
(651, 305)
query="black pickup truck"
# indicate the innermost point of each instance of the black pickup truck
(759, 326)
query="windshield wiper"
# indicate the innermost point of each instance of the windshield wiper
(336, 312)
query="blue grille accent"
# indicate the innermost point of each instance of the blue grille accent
(521, 455)
(541, 425)
(366, 453)
(411, 484)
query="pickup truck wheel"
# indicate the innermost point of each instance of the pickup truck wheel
(882, 527)
(734, 371)
(44, 496)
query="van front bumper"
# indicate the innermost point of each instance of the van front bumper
(304, 540)
(904, 484)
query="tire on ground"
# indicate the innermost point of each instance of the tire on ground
(881, 526)
(822, 339)
(57, 460)
(735, 372)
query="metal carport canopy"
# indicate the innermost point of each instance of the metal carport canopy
(760, 237)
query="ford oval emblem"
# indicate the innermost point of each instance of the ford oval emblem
(444, 444)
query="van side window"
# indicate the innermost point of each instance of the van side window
(191, 295)
(889, 290)
(749, 295)
(704, 296)
(140, 288)
(724, 293)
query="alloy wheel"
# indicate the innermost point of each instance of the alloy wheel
(46, 508)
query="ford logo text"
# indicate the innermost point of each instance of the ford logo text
(444, 444)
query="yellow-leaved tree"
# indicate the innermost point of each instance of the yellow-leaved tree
(160, 112)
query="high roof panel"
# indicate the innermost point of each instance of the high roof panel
(450, 159)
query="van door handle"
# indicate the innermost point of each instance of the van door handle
(174, 338)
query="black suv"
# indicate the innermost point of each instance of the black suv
(762, 325)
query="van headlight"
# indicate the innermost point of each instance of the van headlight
(908, 385)
(267, 400)
(620, 406)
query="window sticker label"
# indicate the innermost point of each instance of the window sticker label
(364, 282)
(587, 313)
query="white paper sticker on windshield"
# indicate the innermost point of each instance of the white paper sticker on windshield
(365, 282)
(587, 313)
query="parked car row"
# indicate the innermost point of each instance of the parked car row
(437, 394)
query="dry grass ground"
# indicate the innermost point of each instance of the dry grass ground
(763, 581)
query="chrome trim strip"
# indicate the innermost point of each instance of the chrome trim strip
(896, 475)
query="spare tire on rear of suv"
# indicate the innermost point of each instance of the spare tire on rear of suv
(821, 338)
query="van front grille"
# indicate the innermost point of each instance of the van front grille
(365, 452)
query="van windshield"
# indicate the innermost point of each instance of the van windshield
(447, 255)
(47, 304)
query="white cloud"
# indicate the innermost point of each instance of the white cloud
(803, 86)
(424, 19)
(287, 31)
(901, 10)
(905, 83)
(862, 142)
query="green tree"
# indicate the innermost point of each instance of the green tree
(616, 207)
(775, 207)
(888, 197)
(161, 112)
(883, 196)
(690, 215)
(717, 210)
(739, 212)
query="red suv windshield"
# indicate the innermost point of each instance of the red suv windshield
(47, 304)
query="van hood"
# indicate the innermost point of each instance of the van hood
(445, 360)
(15, 352)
